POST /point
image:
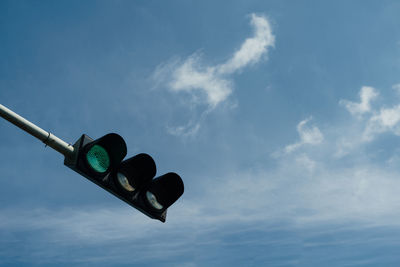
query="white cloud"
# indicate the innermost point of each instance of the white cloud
(308, 136)
(212, 85)
(319, 187)
(378, 121)
(387, 120)
(367, 94)
(289, 193)
(192, 76)
(213, 81)
(252, 49)
(362, 194)
(93, 227)
(184, 131)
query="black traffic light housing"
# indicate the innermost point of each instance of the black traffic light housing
(100, 161)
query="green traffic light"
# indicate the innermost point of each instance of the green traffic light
(98, 159)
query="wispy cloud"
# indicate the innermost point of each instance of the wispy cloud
(190, 129)
(252, 49)
(291, 193)
(211, 85)
(386, 120)
(308, 136)
(378, 121)
(327, 189)
(192, 76)
(97, 228)
(367, 94)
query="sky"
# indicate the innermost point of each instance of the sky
(281, 117)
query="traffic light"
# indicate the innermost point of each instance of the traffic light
(100, 161)
(131, 180)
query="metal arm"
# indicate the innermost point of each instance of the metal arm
(44, 136)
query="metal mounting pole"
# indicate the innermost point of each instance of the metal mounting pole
(46, 137)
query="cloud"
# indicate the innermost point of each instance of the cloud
(120, 234)
(186, 130)
(291, 193)
(386, 120)
(252, 49)
(308, 136)
(211, 85)
(319, 187)
(192, 76)
(241, 210)
(367, 94)
(378, 121)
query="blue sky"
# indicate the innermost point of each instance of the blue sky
(282, 117)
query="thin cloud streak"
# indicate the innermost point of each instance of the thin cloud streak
(212, 85)
(252, 49)
(308, 136)
(192, 75)
(365, 196)
(320, 188)
(386, 120)
(367, 94)
(379, 120)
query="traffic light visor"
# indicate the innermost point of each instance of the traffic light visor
(135, 172)
(163, 191)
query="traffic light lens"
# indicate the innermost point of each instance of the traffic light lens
(124, 182)
(98, 158)
(153, 200)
